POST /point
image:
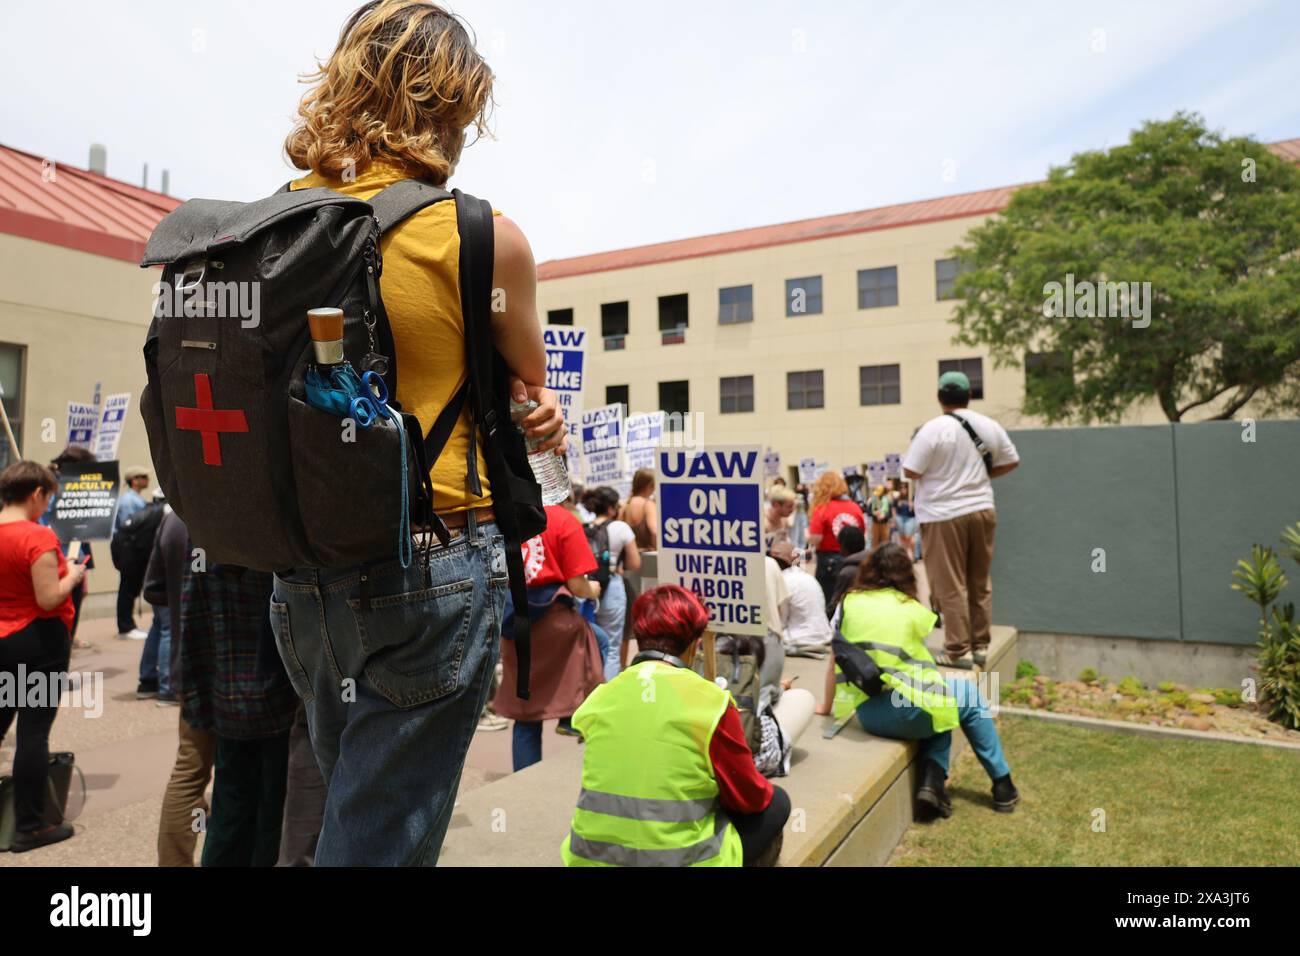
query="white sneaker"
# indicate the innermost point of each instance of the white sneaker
(490, 721)
(135, 634)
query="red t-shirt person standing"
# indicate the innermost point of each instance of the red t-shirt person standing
(36, 611)
(832, 509)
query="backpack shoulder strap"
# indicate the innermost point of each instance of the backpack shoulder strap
(980, 448)
(404, 199)
(477, 260)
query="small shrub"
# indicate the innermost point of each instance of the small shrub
(1088, 675)
(1227, 696)
(1026, 669)
(1165, 687)
(1130, 686)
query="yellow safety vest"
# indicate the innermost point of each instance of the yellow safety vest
(649, 795)
(891, 627)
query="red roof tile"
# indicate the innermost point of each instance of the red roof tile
(77, 209)
(886, 217)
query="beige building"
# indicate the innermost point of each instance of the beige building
(74, 309)
(712, 325)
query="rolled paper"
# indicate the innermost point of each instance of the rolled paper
(326, 335)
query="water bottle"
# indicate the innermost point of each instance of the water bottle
(548, 468)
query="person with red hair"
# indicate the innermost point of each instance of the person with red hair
(667, 776)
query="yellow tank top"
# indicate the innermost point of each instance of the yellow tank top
(420, 284)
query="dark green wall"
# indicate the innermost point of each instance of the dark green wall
(1173, 506)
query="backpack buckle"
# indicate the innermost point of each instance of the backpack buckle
(490, 422)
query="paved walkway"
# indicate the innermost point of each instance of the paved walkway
(128, 751)
(127, 754)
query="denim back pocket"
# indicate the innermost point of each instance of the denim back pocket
(288, 653)
(414, 643)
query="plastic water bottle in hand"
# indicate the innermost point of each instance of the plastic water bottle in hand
(548, 468)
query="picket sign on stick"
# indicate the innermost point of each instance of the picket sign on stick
(710, 660)
(9, 431)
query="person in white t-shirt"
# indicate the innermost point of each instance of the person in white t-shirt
(611, 612)
(807, 630)
(954, 504)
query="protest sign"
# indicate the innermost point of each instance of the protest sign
(807, 470)
(893, 465)
(111, 420)
(821, 469)
(852, 471)
(645, 430)
(876, 469)
(772, 464)
(566, 356)
(87, 499)
(81, 424)
(711, 541)
(602, 445)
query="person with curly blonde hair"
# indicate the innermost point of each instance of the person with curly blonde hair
(395, 101)
(831, 509)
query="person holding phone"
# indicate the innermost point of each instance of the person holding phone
(36, 612)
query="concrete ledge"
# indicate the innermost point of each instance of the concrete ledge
(1145, 730)
(1194, 663)
(851, 795)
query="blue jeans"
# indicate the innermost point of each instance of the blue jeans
(163, 614)
(610, 615)
(881, 716)
(151, 656)
(525, 744)
(393, 691)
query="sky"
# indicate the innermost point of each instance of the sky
(619, 123)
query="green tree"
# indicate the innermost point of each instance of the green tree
(1213, 225)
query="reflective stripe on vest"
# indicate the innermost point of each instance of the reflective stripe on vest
(646, 808)
(615, 854)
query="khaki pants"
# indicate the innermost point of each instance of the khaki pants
(958, 555)
(177, 830)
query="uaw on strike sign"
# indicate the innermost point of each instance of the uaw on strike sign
(711, 531)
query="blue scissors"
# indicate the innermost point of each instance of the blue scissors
(373, 403)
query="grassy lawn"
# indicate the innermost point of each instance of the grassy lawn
(1166, 803)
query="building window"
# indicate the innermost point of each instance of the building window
(736, 305)
(675, 402)
(803, 296)
(1048, 370)
(878, 385)
(613, 325)
(617, 395)
(737, 394)
(877, 287)
(559, 317)
(946, 272)
(804, 390)
(674, 315)
(11, 377)
(972, 368)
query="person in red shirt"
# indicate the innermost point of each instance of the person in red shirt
(566, 662)
(832, 510)
(36, 612)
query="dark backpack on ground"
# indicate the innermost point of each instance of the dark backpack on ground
(132, 544)
(265, 480)
(736, 661)
(598, 541)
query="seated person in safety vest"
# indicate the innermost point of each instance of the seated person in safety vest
(882, 615)
(667, 777)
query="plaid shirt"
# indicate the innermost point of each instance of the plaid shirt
(233, 681)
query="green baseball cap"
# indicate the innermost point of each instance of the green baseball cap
(955, 379)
